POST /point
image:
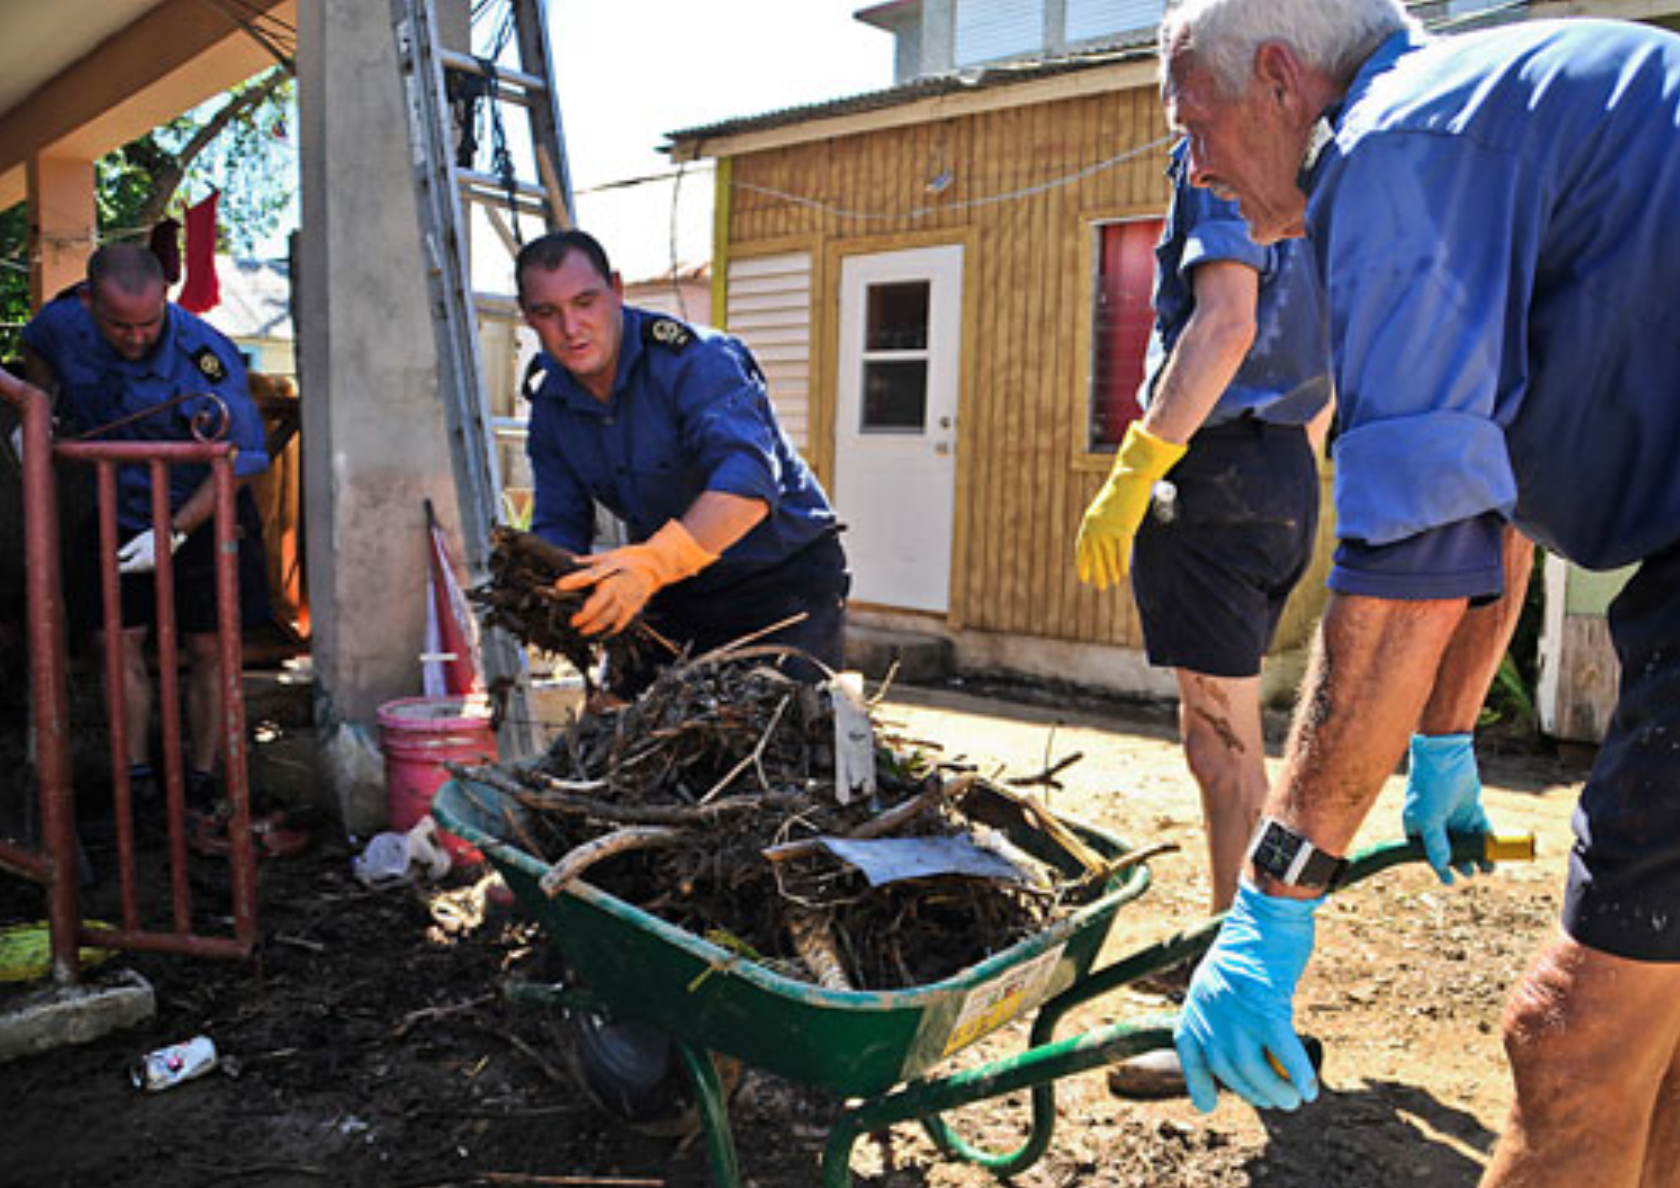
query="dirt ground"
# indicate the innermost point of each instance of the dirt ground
(370, 1043)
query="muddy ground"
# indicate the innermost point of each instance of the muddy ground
(370, 1044)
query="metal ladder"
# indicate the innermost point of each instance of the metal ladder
(442, 84)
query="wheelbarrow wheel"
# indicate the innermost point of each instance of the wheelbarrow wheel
(635, 1074)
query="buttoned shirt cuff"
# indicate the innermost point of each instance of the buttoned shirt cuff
(1404, 475)
(748, 477)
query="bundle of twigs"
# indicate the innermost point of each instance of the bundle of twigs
(702, 803)
(520, 597)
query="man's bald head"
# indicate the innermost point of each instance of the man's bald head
(127, 296)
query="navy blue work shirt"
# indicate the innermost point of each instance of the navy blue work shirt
(97, 386)
(689, 413)
(1285, 377)
(1495, 219)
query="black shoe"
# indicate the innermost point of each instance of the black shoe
(202, 792)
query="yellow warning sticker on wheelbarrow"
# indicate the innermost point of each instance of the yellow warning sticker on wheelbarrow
(992, 1004)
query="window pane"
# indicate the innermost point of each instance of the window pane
(894, 397)
(1124, 317)
(898, 317)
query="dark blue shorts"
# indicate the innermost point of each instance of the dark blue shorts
(1211, 582)
(194, 570)
(1624, 872)
(813, 582)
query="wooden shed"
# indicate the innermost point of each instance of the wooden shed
(948, 285)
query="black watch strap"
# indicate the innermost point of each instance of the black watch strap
(1284, 856)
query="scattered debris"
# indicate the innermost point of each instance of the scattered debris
(520, 597)
(711, 801)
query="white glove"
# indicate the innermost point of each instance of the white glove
(17, 444)
(140, 554)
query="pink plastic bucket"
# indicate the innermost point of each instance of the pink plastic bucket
(418, 736)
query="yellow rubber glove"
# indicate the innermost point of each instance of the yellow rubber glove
(624, 579)
(1104, 550)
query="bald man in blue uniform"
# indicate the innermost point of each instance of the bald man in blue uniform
(670, 427)
(112, 348)
(1494, 216)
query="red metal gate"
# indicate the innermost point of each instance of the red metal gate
(54, 864)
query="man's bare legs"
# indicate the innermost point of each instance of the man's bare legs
(202, 697)
(1219, 721)
(204, 700)
(1594, 1045)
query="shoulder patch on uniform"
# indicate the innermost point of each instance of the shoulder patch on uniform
(667, 332)
(210, 365)
(536, 375)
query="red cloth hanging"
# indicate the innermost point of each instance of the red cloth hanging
(202, 291)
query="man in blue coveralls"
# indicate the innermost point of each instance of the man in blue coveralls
(1236, 398)
(112, 348)
(1494, 218)
(670, 427)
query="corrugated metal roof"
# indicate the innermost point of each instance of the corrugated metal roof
(1127, 48)
(966, 81)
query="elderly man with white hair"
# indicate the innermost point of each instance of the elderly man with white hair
(1494, 218)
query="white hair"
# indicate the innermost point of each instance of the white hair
(1333, 36)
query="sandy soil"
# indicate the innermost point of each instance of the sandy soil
(370, 1044)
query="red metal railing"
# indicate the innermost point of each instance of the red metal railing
(56, 866)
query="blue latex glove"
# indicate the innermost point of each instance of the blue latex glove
(1240, 1006)
(1444, 792)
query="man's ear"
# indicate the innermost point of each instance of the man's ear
(1279, 75)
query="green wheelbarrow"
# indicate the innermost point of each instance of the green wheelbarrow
(876, 1050)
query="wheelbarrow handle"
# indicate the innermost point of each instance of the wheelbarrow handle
(1047, 1059)
(1466, 847)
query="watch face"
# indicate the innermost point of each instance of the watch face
(1275, 849)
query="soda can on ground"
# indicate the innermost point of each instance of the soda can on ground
(168, 1067)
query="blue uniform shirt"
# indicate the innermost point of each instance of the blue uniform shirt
(1285, 377)
(1496, 223)
(98, 386)
(689, 413)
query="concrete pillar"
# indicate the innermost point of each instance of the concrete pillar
(373, 423)
(63, 223)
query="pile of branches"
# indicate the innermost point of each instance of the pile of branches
(702, 802)
(520, 597)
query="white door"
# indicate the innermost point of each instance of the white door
(895, 425)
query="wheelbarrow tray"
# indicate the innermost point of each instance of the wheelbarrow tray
(852, 1043)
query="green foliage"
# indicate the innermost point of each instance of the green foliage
(253, 162)
(14, 278)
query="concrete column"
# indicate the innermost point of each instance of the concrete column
(63, 223)
(373, 423)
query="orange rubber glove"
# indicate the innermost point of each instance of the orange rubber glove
(624, 579)
(1104, 548)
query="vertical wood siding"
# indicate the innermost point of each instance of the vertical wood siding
(1023, 480)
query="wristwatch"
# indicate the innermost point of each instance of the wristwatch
(1284, 856)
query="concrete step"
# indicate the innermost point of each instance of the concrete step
(920, 657)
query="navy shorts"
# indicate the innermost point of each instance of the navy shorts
(1211, 581)
(813, 582)
(194, 570)
(1624, 872)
